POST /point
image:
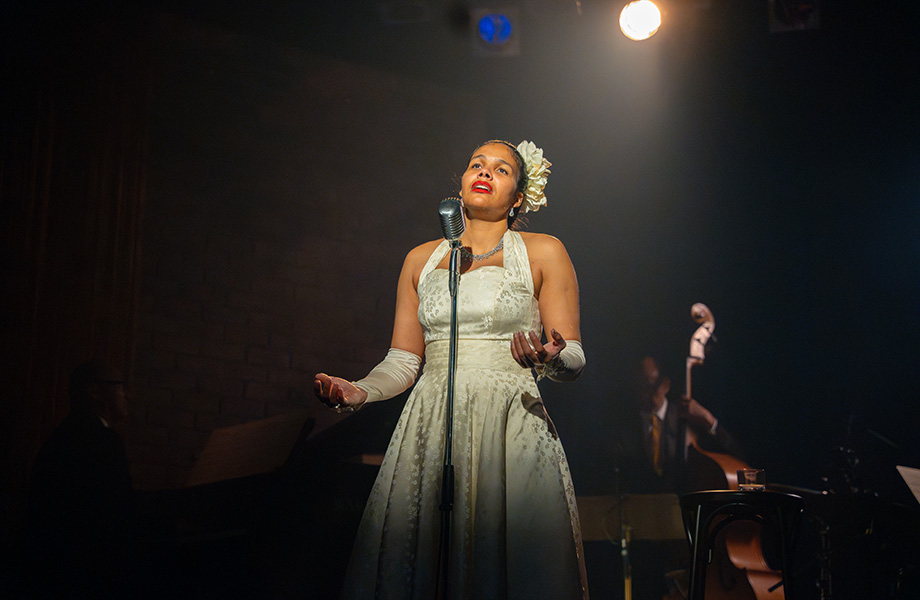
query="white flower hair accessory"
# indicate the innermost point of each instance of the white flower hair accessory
(537, 169)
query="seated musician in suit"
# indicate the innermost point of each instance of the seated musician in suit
(651, 458)
(81, 529)
(651, 461)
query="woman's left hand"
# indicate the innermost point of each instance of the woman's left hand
(528, 351)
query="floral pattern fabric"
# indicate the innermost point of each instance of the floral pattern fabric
(514, 524)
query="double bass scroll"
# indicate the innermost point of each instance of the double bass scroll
(709, 470)
(702, 315)
(738, 570)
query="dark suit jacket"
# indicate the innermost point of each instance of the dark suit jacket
(637, 472)
(81, 522)
(81, 472)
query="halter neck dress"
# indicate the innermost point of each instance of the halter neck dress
(514, 526)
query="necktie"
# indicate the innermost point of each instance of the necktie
(655, 443)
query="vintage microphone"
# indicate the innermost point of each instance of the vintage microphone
(450, 212)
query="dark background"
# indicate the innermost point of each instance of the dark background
(243, 180)
(772, 176)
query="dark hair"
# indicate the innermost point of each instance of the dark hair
(522, 172)
(84, 376)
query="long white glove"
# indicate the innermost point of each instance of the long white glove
(565, 366)
(393, 376)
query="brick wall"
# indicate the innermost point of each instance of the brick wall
(284, 190)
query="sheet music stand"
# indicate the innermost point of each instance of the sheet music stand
(779, 511)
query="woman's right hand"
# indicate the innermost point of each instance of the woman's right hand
(338, 394)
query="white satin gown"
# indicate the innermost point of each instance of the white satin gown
(514, 531)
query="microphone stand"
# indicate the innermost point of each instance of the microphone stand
(447, 476)
(625, 532)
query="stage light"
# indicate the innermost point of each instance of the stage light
(640, 20)
(494, 29)
(495, 32)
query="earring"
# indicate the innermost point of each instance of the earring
(511, 214)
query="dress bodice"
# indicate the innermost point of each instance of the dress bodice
(493, 302)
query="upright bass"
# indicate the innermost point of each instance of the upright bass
(738, 569)
(707, 470)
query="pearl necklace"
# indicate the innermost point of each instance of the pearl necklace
(478, 257)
